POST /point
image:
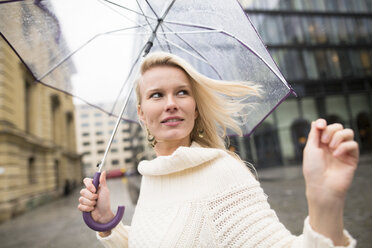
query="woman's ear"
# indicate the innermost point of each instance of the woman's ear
(196, 113)
(140, 113)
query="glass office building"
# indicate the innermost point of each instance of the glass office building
(324, 50)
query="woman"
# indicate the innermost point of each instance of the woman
(198, 194)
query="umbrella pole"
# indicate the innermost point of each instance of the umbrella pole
(101, 163)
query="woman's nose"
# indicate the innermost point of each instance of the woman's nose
(171, 104)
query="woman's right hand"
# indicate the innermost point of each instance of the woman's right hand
(96, 203)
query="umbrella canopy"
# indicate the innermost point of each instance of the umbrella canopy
(92, 49)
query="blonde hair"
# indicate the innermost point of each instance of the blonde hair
(215, 110)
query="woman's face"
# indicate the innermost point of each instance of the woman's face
(168, 107)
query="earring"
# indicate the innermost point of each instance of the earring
(201, 133)
(151, 138)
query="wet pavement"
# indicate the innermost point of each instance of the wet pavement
(59, 224)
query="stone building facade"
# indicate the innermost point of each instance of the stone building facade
(38, 158)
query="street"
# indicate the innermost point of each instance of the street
(59, 224)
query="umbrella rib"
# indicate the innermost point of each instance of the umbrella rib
(153, 11)
(189, 45)
(78, 49)
(183, 49)
(108, 6)
(161, 20)
(143, 13)
(190, 32)
(237, 39)
(120, 6)
(169, 49)
(11, 1)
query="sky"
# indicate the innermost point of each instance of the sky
(103, 61)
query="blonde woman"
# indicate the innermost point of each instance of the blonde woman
(198, 194)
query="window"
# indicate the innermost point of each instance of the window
(98, 133)
(319, 5)
(309, 30)
(31, 170)
(320, 30)
(278, 56)
(322, 65)
(293, 31)
(332, 30)
(294, 58)
(85, 134)
(84, 116)
(100, 142)
(346, 67)
(114, 150)
(366, 62)
(351, 29)
(362, 32)
(342, 30)
(85, 153)
(101, 151)
(128, 160)
(334, 63)
(356, 63)
(297, 4)
(98, 114)
(310, 64)
(86, 143)
(85, 124)
(127, 148)
(115, 162)
(97, 124)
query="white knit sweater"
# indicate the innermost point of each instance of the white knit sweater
(203, 197)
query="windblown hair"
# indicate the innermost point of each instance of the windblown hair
(215, 112)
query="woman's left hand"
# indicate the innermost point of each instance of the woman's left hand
(330, 160)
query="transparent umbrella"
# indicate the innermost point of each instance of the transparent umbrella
(92, 49)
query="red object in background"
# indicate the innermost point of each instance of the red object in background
(115, 173)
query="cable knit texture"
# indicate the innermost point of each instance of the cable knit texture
(203, 197)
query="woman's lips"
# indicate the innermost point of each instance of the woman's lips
(172, 121)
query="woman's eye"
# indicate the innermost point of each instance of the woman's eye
(155, 95)
(183, 92)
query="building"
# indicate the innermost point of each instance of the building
(94, 129)
(38, 159)
(324, 50)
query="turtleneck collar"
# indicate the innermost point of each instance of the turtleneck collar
(181, 159)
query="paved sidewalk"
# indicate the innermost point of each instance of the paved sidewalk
(286, 195)
(59, 224)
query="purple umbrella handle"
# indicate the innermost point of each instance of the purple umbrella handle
(87, 216)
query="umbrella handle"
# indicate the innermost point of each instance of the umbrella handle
(102, 227)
